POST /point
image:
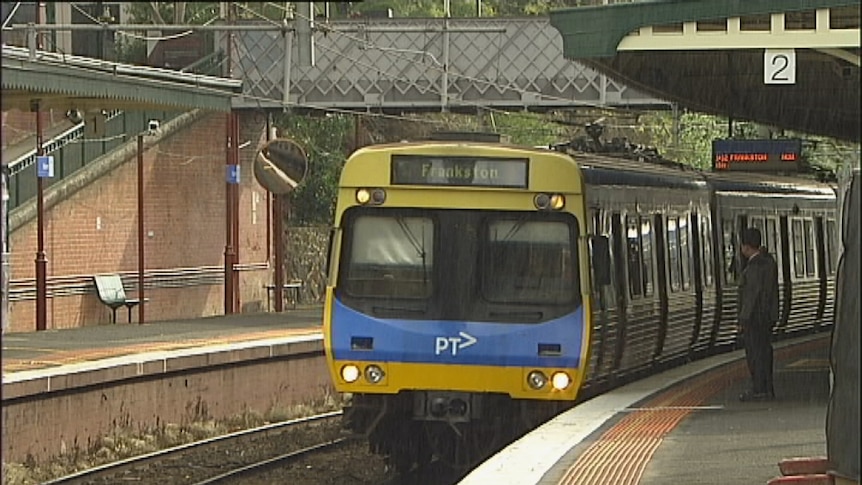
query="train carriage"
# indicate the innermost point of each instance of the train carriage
(459, 293)
(477, 288)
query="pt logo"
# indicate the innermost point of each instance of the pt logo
(453, 344)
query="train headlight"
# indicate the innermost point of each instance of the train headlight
(363, 196)
(374, 374)
(558, 201)
(536, 380)
(370, 196)
(560, 380)
(378, 196)
(542, 201)
(549, 201)
(350, 373)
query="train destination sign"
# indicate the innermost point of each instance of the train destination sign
(459, 171)
(757, 155)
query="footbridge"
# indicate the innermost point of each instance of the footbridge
(409, 64)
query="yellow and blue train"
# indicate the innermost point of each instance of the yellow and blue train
(476, 287)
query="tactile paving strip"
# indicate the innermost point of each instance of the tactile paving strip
(621, 454)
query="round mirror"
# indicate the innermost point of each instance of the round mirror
(280, 165)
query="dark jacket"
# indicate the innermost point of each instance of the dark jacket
(758, 293)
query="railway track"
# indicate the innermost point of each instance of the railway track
(222, 459)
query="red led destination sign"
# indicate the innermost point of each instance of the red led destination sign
(757, 155)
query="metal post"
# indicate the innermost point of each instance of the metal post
(444, 80)
(288, 61)
(5, 270)
(269, 136)
(278, 230)
(140, 228)
(228, 247)
(235, 209)
(41, 260)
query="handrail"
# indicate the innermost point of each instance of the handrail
(52, 145)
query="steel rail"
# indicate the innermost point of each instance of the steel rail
(114, 467)
(265, 464)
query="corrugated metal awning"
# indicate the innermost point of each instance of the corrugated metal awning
(65, 82)
(709, 56)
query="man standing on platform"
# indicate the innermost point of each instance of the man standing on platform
(757, 313)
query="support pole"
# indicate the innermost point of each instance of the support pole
(269, 209)
(444, 79)
(141, 229)
(228, 246)
(278, 232)
(235, 210)
(41, 260)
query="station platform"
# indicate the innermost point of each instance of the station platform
(683, 426)
(54, 349)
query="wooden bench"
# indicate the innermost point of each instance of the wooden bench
(110, 289)
(293, 287)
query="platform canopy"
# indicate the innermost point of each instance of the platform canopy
(66, 82)
(792, 64)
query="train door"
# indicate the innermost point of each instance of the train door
(699, 253)
(661, 250)
(820, 242)
(784, 236)
(603, 304)
(618, 246)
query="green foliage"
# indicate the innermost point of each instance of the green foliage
(172, 12)
(465, 8)
(325, 140)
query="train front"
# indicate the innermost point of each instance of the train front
(456, 312)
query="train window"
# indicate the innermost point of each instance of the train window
(635, 264)
(773, 243)
(757, 223)
(391, 257)
(706, 245)
(647, 245)
(684, 252)
(810, 265)
(831, 252)
(673, 259)
(798, 249)
(529, 261)
(728, 230)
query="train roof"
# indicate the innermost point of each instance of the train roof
(607, 169)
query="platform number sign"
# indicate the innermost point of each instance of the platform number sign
(779, 66)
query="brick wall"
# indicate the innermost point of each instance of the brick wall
(18, 125)
(95, 231)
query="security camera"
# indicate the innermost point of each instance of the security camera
(153, 127)
(75, 116)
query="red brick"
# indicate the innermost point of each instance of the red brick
(184, 192)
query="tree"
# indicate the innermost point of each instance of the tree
(325, 140)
